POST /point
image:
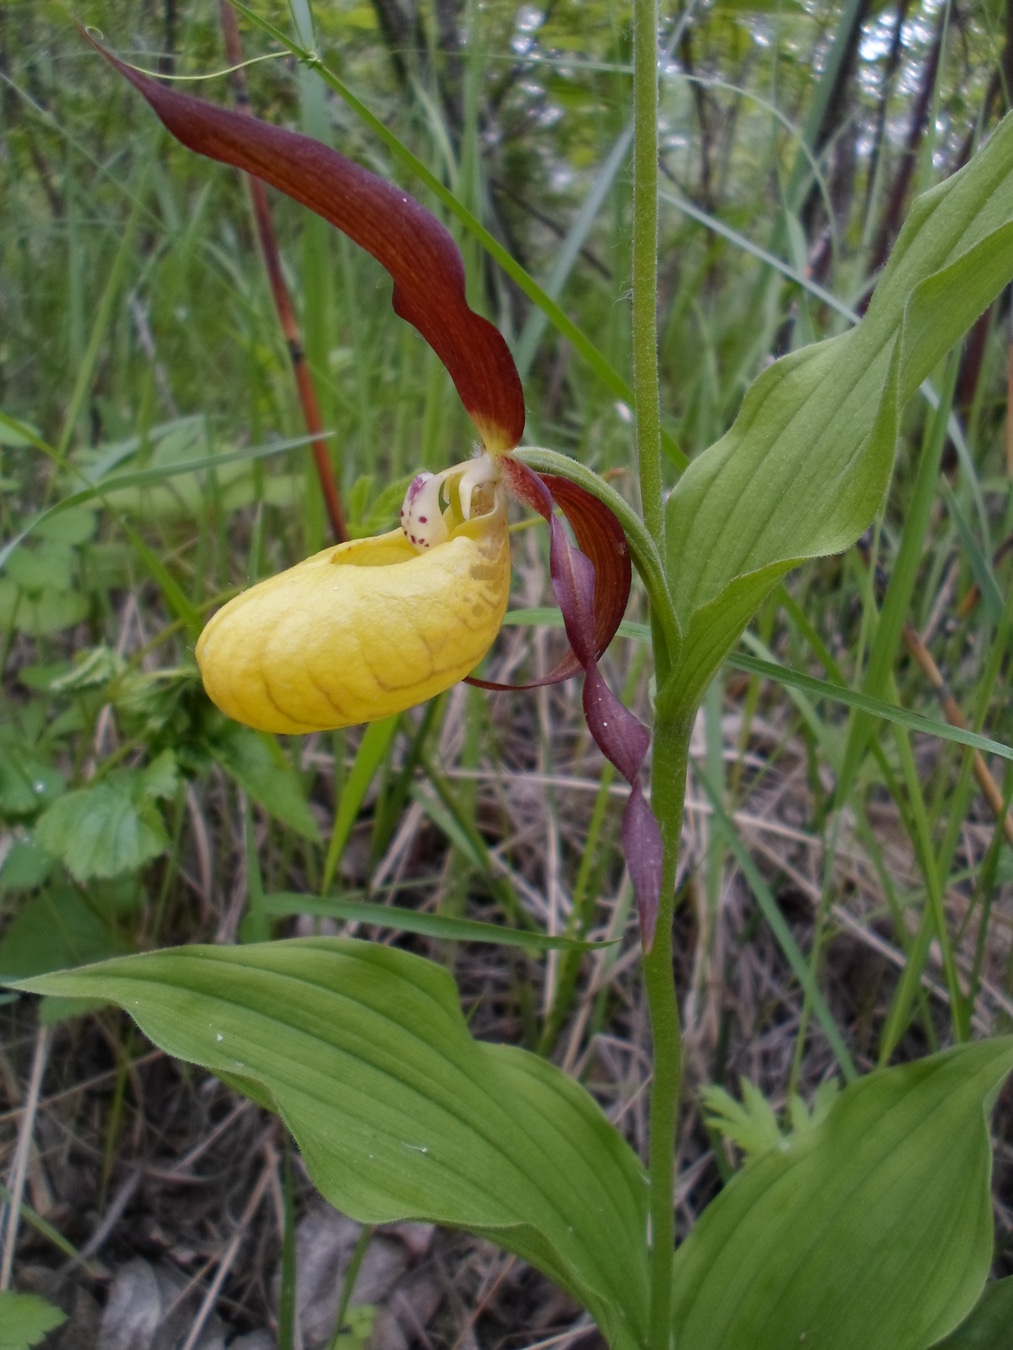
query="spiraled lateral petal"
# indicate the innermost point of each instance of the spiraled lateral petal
(405, 238)
(359, 631)
(601, 538)
(621, 738)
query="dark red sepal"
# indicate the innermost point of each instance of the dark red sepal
(621, 738)
(417, 251)
(601, 538)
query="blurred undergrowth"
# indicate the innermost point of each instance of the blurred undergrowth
(143, 374)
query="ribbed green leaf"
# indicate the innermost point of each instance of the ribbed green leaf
(804, 467)
(872, 1230)
(398, 1111)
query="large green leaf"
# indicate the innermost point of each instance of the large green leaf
(805, 465)
(398, 1111)
(872, 1230)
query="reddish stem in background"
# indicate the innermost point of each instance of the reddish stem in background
(279, 291)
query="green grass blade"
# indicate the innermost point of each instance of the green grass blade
(779, 927)
(135, 478)
(372, 750)
(795, 679)
(401, 920)
(897, 602)
(569, 251)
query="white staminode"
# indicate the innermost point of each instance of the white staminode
(425, 520)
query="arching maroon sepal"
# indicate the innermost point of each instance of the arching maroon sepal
(405, 238)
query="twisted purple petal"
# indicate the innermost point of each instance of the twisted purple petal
(622, 739)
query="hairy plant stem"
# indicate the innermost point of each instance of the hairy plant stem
(668, 795)
(671, 737)
(645, 263)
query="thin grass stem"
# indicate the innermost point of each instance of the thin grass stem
(645, 265)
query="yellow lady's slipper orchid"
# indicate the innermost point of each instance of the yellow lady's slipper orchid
(374, 626)
(371, 627)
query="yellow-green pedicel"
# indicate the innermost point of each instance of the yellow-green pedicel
(359, 631)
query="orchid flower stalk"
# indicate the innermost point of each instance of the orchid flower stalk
(375, 626)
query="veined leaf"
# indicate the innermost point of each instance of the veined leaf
(398, 1111)
(807, 461)
(106, 828)
(872, 1229)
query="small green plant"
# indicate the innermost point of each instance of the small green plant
(25, 1319)
(869, 1223)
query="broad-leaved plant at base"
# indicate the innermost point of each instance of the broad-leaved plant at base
(868, 1226)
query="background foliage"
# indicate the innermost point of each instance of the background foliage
(846, 885)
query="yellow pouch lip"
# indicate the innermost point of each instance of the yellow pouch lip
(359, 630)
